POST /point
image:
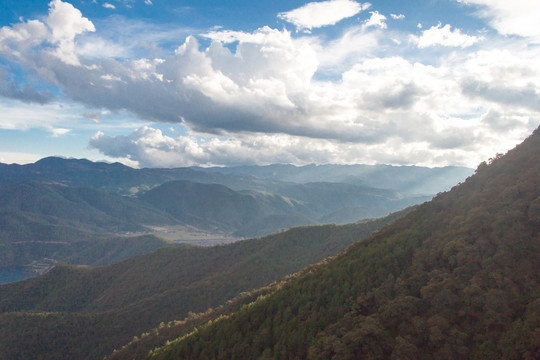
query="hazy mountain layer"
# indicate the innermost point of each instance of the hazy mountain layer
(123, 179)
(45, 220)
(404, 179)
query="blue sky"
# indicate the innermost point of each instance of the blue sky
(178, 83)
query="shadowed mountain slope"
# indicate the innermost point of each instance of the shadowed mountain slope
(207, 205)
(48, 221)
(85, 207)
(458, 278)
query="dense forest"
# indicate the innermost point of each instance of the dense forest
(458, 278)
(75, 312)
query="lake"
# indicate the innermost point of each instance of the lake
(12, 274)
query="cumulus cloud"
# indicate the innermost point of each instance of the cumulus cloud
(109, 6)
(397, 16)
(519, 17)
(503, 78)
(444, 36)
(61, 26)
(147, 146)
(526, 96)
(323, 13)
(65, 23)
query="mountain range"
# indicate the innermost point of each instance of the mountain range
(56, 207)
(118, 178)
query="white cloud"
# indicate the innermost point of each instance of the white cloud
(15, 39)
(57, 132)
(376, 20)
(149, 147)
(324, 13)
(148, 2)
(65, 23)
(444, 36)
(109, 6)
(397, 16)
(62, 25)
(518, 17)
(340, 54)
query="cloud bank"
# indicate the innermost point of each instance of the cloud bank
(265, 99)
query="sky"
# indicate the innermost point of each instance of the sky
(156, 83)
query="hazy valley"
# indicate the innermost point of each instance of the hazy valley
(74, 210)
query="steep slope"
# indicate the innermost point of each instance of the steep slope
(458, 278)
(86, 313)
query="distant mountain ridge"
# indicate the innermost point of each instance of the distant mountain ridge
(405, 179)
(119, 178)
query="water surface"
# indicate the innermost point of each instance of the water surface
(12, 274)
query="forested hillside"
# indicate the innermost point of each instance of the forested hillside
(458, 278)
(39, 220)
(84, 313)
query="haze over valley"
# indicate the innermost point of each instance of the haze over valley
(74, 211)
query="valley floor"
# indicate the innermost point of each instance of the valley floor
(192, 235)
